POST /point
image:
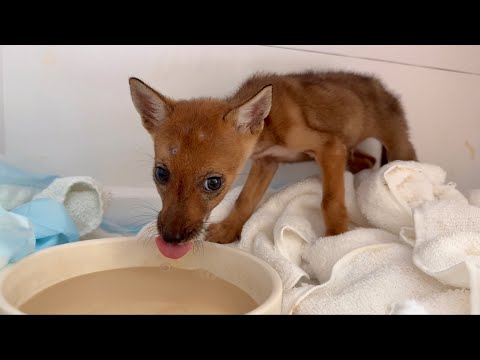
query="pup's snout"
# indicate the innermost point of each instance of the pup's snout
(172, 237)
(175, 227)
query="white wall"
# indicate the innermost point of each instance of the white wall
(464, 58)
(67, 109)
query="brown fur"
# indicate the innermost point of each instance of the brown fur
(310, 116)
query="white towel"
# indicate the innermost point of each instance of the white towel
(474, 197)
(446, 233)
(83, 197)
(290, 219)
(387, 196)
(12, 196)
(366, 270)
(408, 307)
(323, 254)
(371, 280)
(473, 266)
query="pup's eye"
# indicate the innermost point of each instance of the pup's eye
(213, 183)
(161, 174)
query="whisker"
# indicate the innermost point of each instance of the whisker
(150, 237)
(141, 219)
(148, 233)
(143, 204)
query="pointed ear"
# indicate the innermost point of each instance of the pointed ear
(250, 115)
(152, 106)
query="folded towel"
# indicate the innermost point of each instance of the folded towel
(387, 196)
(323, 254)
(446, 233)
(474, 197)
(84, 199)
(367, 271)
(452, 302)
(473, 265)
(408, 307)
(288, 220)
(354, 272)
(371, 280)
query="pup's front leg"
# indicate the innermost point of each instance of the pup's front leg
(332, 157)
(257, 183)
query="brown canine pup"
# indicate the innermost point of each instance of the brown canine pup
(201, 145)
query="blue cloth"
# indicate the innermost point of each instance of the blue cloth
(31, 225)
(18, 186)
(51, 222)
(35, 224)
(17, 238)
(11, 175)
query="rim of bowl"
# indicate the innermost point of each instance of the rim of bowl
(276, 291)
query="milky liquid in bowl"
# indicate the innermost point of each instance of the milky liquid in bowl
(141, 290)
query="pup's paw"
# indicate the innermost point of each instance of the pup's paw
(222, 233)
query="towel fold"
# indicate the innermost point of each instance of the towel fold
(474, 197)
(83, 197)
(387, 196)
(323, 254)
(473, 266)
(408, 307)
(370, 280)
(288, 221)
(446, 233)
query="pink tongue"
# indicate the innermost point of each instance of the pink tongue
(172, 251)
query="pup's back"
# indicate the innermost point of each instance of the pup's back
(349, 105)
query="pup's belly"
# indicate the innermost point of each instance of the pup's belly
(282, 154)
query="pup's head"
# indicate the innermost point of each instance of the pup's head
(201, 146)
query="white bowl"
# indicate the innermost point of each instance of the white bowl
(24, 279)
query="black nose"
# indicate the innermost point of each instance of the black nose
(172, 237)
